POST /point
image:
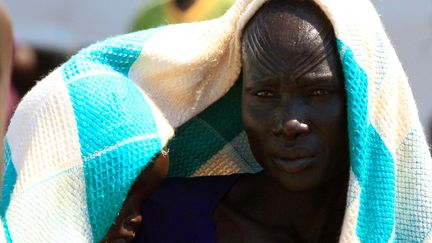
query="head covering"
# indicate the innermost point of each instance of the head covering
(79, 139)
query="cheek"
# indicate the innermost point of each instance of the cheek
(257, 119)
(331, 124)
(330, 118)
(257, 125)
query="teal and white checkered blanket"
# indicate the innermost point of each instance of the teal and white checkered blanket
(79, 139)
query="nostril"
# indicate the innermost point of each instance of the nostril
(293, 128)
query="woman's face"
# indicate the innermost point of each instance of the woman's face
(293, 101)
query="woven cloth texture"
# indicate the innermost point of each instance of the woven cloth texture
(81, 136)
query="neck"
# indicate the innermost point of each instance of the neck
(265, 201)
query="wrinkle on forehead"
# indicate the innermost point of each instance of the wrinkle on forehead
(287, 39)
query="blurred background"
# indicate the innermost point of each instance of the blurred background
(47, 32)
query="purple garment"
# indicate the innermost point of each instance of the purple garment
(181, 210)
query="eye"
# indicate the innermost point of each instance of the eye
(264, 93)
(320, 92)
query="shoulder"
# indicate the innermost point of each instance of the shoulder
(181, 209)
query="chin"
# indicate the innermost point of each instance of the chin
(298, 182)
(310, 180)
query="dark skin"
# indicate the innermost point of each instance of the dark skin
(294, 114)
(129, 219)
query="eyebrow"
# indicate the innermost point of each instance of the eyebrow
(262, 83)
(326, 79)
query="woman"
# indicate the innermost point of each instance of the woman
(293, 110)
(102, 116)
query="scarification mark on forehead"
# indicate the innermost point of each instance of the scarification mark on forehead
(276, 37)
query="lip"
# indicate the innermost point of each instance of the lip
(293, 165)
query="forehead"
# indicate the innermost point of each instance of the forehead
(288, 40)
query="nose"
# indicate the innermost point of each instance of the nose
(130, 227)
(290, 129)
(132, 223)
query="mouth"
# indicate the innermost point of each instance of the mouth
(293, 165)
